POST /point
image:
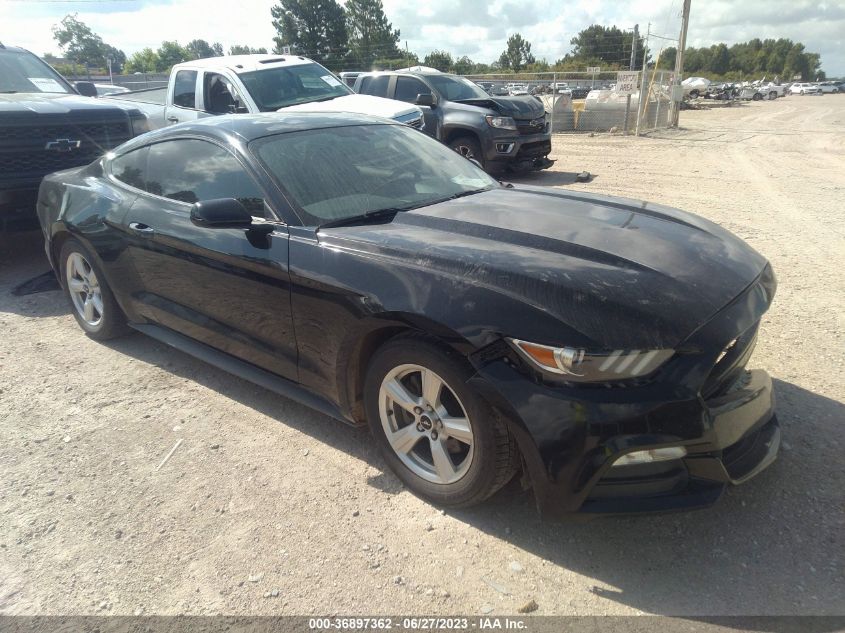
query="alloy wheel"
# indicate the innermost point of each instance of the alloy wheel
(465, 151)
(84, 289)
(425, 424)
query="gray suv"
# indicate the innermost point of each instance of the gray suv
(499, 132)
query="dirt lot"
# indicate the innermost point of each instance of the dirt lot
(269, 508)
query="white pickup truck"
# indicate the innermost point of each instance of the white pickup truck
(257, 83)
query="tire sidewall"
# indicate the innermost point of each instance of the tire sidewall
(482, 468)
(110, 319)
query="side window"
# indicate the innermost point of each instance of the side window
(191, 170)
(376, 86)
(130, 167)
(185, 89)
(407, 89)
(220, 95)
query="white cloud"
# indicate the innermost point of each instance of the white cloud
(478, 28)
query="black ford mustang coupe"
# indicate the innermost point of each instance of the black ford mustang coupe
(597, 345)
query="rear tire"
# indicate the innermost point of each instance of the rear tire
(454, 450)
(90, 297)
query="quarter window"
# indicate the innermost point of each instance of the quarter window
(191, 170)
(185, 89)
(130, 168)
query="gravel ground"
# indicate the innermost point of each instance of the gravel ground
(267, 507)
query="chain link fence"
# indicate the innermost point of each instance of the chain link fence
(587, 102)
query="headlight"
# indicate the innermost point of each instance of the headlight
(580, 365)
(501, 122)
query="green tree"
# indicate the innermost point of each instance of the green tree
(517, 55)
(441, 60)
(144, 61)
(720, 59)
(316, 28)
(81, 45)
(200, 49)
(238, 49)
(463, 66)
(607, 46)
(371, 36)
(169, 54)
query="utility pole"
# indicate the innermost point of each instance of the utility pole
(642, 98)
(679, 60)
(407, 55)
(631, 67)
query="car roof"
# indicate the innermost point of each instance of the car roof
(248, 127)
(247, 63)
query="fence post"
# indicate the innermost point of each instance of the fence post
(554, 93)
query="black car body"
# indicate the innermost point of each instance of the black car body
(45, 126)
(305, 309)
(498, 131)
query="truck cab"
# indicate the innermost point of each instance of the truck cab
(258, 83)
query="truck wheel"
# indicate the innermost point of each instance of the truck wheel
(94, 306)
(757, 97)
(467, 147)
(435, 432)
(694, 94)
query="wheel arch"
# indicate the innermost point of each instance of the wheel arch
(454, 133)
(361, 345)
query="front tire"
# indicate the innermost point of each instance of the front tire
(441, 438)
(90, 297)
(468, 147)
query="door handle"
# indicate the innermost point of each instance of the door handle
(173, 119)
(141, 229)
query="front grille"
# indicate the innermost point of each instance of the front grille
(416, 123)
(534, 126)
(731, 363)
(25, 159)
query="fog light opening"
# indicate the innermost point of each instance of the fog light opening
(651, 455)
(504, 148)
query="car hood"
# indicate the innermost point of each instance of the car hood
(51, 103)
(517, 107)
(360, 104)
(623, 273)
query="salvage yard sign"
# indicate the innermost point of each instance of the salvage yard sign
(626, 82)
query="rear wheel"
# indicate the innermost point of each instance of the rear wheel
(757, 96)
(439, 437)
(93, 303)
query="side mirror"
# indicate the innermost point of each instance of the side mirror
(86, 88)
(426, 99)
(220, 213)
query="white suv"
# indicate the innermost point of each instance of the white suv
(804, 89)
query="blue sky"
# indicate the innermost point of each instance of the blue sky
(478, 28)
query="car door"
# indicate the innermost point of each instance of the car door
(223, 286)
(183, 100)
(406, 89)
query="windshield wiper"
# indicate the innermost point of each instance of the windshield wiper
(8, 92)
(369, 215)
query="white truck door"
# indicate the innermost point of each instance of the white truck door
(183, 97)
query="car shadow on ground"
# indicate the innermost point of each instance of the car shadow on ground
(545, 178)
(667, 564)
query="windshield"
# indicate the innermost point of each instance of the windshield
(456, 88)
(341, 172)
(274, 88)
(24, 72)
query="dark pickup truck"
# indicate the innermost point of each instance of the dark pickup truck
(47, 126)
(499, 132)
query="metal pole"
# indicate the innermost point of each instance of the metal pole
(631, 67)
(679, 60)
(554, 94)
(641, 100)
(407, 55)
